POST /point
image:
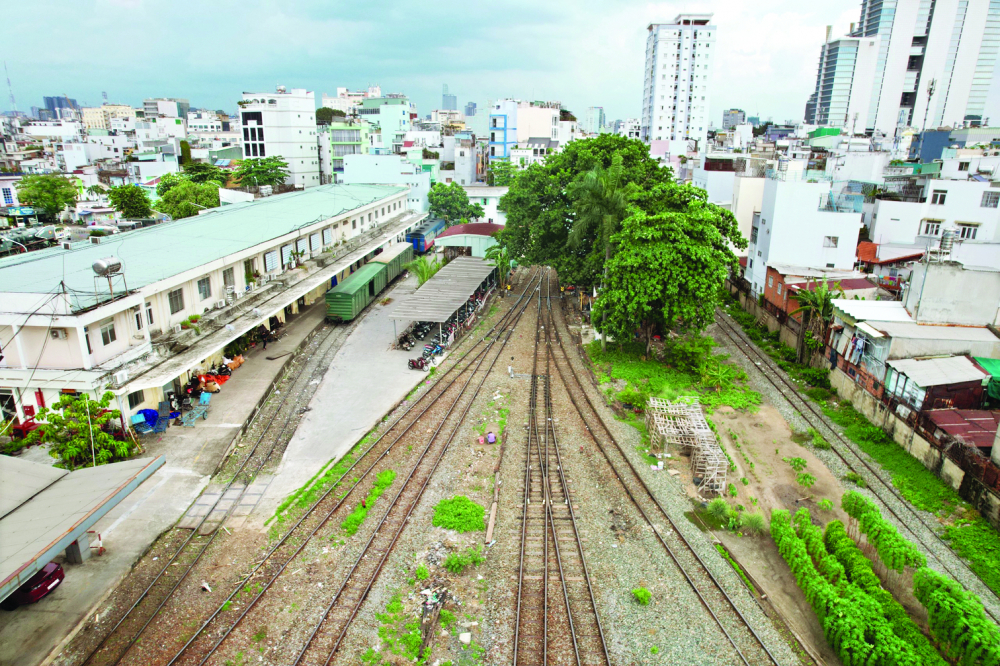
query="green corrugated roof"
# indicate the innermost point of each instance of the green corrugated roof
(165, 250)
(358, 279)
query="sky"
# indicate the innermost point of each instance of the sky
(579, 52)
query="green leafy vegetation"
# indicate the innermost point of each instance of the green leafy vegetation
(451, 203)
(460, 514)
(400, 634)
(642, 596)
(49, 193)
(957, 620)
(731, 490)
(825, 505)
(817, 439)
(131, 201)
(736, 567)
(351, 524)
(73, 427)
(754, 523)
(456, 562)
(798, 464)
(257, 171)
(422, 573)
(894, 551)
(805, 479)
(856, 479)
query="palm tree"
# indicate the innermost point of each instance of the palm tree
(500, 258)
(600, 204)
(814, 304)
(423, 269)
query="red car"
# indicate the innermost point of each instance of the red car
(37, 587)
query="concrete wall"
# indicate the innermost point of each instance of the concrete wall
(952, 294)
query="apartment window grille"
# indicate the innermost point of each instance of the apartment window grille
(967, 231)
(990, 199)
(204, 288)
(270, 260)
(963, 166)
(938, 197)
(108, 333)
(149, 313)
(327, 236)
(229, 277)
(138, 320)
(932, 228)
(135, 399)
(314, 243)
(176, 300)
(830, 241)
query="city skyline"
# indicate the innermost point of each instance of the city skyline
(592, 56)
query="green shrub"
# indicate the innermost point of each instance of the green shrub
(460, 514)
(818, 377)
(825, 505)
(817, 439)
(642, 596)
(422, 573)
(731, 489)
(798, 464)
(805, 479)
(454, 563)
(194, 318)
(719, 508)
(754, 523)
(856, 479)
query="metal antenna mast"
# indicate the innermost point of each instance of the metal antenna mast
(13, 104)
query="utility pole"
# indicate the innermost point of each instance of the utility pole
(930, 93)
(13, 104)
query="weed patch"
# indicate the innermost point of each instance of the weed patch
(460, 514)
(353, 521)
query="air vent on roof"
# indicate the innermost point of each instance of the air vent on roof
(66, 245)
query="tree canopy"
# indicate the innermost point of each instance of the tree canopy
(501, 173)
(49, 193)
(325, 115)
(256, 171)
(131, 201)
(74, 429)
(540, 211)
(451, 203)
(187, 198)
(168, 181)
(669, 262)
(202, 172)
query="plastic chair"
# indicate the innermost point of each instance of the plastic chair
(139, 424)
(205, 398)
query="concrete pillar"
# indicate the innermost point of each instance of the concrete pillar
(79, 550)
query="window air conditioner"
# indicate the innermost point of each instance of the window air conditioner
(58, 333)
(66, 245)
(121, 377)
(220, 305)
(96, 240)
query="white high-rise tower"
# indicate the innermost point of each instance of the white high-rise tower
(675, 102)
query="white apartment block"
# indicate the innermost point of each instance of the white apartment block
(514, 122)
(676, 99)
(283, 124)
(99, 117)
(971, 209)
(630, 128)
(63, 329)
(348, 101)
(878, 78)
(203, 121)
(171, 107)
(803, 224)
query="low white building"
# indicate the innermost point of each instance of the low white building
(203, 121)
(969, 208)
(389, 170)
(802, 223)
(489, 198)
(65, 329)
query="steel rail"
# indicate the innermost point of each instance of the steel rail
(737, 336)
(652, 498)
(309, 512)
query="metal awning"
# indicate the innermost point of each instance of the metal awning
(446, 292)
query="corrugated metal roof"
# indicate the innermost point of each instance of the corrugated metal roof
(913, 330)
(22, 480)
(856, 311)
(164, 250)
(444, 293)
(391, 253)
(938, 371)
(975, 426)
(35, 532)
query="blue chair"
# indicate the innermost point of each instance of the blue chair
(205, 398)
(139, 424)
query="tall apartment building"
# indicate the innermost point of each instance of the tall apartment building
(171, 107)
(594, 119)
(391, 116)
(733, 117)
(448, 102)
(952, 43)
(99, 117)
(676, 99)
(512, 121)
(283, 124)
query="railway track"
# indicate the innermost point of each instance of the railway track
(560, 625)
(117, 643)
(334, 620)
(747, 645)
(854, 459)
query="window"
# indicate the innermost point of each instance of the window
(229, 277)
(286, 255)
(990, 199)
(829, 265)
(779, 288)
(108, 333)
(963, 166)
(149, 313)
(138, 320)
(327, 236)
(932, 227)
(753, 234)
(937, 197)
(176, 300)
(354, 224)
(136, 399)
(967, 231)
(204, 288)
(770, 280)
(830, 241)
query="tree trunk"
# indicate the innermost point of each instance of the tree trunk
(801, 342)
(604, 311)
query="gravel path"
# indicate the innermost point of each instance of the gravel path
(922, 527)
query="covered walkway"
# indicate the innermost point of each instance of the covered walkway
(450, 288)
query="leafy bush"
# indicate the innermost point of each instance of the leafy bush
(805, 479)
(754, 523)
(856, 479)
(460, 514)
(731, 489)
(642, 596)
(956, 619)
(817, 439)
(825, 505)
(798, 464)
(894, 551)
(818, 377)
(454, 563)
(719, 508)
(422, 573)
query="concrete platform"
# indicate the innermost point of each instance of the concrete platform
(30, 633)
(366, 380)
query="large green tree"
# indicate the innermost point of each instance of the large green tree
(501, 173)
(50, 194)
(451, 203)
(74, 429)
(671, 258)
(540, 210)
(167, 182)
(201, 172)
(131, 201)
(325, 115)
(256, 171)
(187, 198)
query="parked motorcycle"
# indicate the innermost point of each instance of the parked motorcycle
(417, 364)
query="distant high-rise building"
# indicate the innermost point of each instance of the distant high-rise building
(594, 119)
(676, 100)
(53, 104)
(170, 107)
(810, 115)
(733, 117)
(470, 109)
(878, 77)
(754, 120)
(448, 102)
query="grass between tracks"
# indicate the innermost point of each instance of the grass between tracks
(968, 533)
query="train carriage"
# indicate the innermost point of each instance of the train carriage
(345, 301)
(394, 259)
(423, 236)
